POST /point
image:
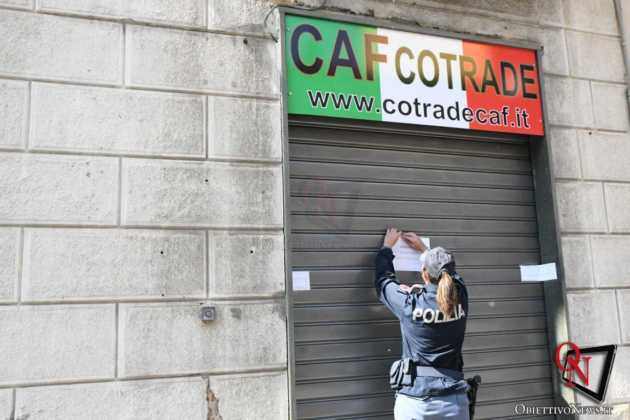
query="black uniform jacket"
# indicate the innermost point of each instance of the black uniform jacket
(427, 336)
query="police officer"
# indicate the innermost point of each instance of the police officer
(428, 379)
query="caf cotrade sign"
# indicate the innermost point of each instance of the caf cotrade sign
(346, 70)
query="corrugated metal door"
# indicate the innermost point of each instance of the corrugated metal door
(473, 195)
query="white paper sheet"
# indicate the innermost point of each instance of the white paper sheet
(543, 272)
(407, 258)
(301, 280)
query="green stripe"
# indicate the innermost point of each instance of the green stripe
(343, 82)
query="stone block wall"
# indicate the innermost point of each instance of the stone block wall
(140, 176)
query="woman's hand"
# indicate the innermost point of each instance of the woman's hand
(391, 237)
(414, 241)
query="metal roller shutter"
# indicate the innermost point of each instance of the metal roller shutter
(471, 194)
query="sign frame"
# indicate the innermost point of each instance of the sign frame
(500, 111)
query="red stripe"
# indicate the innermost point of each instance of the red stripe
(491, 100)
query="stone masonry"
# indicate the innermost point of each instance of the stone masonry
(141, 155)
(140, 158)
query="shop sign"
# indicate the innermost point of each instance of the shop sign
(346, 70)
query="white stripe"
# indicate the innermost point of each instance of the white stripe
(393, 88)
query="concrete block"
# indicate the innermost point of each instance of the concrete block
(266, 396)
(610, 105)
(619, 383)
(164, 399)
(9, 263)
(81, 264)
(244, 264)
(588, 51)
(617, 204)
(58, 189)
(618, 390)
(565, 152)
(242, 16)
(554, 60)
(187, 60)
(103, 120)
(171, 339)
(624, 17)
(54, 343)
(166, 12)
(576, 255)
(461, 20)
(604, 155)
(60, 48)
(595, 16)
(19, 4)
(610, 254)
(214, 194)
(593, 318)
(581, 207)
(559, 92)
(619, 411)
(537, 10)
(6, 404)
(244, 128)
(13, 114)
(623, 298)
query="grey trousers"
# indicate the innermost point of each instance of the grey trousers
(453, 406)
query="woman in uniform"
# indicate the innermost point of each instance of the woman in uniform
(428, 379)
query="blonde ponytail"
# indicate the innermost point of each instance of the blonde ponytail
(447, 295)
